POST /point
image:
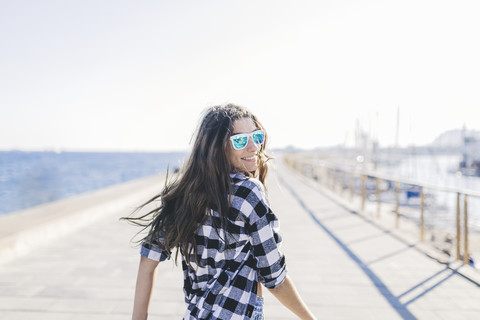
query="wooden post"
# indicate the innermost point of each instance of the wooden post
(326, 181)
(397, 204)
(352, 186)
(458, 226)
(337, 181)
(466, 254)
(329, 175)
(342, 177)
(364, 190)
(377, 192)
(334, 180)
(422, 218)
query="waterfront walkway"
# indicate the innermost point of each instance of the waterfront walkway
(343, 265)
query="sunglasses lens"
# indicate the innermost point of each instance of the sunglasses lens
(240, 142)
(258, 137)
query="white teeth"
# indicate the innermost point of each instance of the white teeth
(250, 158)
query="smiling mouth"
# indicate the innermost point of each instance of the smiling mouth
(252, 158)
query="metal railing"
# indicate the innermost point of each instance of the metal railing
(370, 186)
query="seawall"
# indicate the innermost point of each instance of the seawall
(24, 230)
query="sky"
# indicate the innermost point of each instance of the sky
(136, 75)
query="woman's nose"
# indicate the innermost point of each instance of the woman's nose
(251, 146)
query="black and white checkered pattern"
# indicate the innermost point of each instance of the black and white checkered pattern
(225, 286)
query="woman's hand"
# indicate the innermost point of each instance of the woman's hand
(288, 295)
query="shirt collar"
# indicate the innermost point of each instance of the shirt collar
(237, 175)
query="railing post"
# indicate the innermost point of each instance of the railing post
(330, 179)
(326, 181)
(466, 254)
(458, 226)
(364, 190)
(325, 176)
(342, 175)
(334, 180)
(422, 217)
(397, 204)
(377, 193)
(337, 181)
(352, 185)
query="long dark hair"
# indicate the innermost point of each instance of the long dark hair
(203, 184)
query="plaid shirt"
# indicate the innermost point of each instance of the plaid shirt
(225, 286)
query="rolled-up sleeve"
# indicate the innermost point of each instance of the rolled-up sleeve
(266, 240)
(266, 247)
(151, 248)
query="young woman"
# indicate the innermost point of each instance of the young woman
(217, 215)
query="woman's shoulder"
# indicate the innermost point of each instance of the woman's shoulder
(241, 180)
(248, 188)
(249, 197)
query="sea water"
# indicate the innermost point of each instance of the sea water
(28, 179)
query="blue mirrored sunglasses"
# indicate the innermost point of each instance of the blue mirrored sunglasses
(240, 141)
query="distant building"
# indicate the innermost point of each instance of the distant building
(470, 164)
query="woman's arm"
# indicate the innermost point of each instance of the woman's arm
(147, 271)
(288, 295)
(259, 290)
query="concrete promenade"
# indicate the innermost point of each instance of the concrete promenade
(344, 266)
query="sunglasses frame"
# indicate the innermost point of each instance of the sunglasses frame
(248, 136)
